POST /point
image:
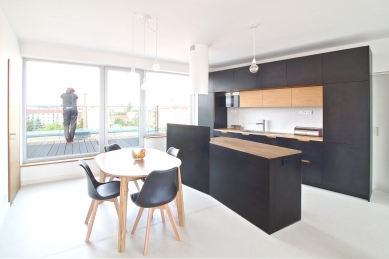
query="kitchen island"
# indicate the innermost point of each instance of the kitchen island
(260, 182)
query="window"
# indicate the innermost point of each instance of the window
(44, 134)
(167, 101)
(113, 110)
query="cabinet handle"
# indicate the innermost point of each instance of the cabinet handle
(245, 134)
(304, 140)
(305, 161)
(269, 136)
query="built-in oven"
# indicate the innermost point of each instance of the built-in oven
(227, 99)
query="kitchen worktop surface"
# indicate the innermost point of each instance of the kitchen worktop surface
(272, 134)
(253, 148)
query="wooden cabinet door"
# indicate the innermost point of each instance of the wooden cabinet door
(277, 97)
(272, 74)
(251, 98)
(346, 169)
(305, 70)
(346, 113)
(307, 96)
(206, 110)
(350, 65)
(244, 79)
(223, 80)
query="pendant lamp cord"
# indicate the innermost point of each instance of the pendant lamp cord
(254, 43)
(133, 57)
(144, 46)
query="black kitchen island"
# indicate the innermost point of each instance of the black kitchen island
(260, 182)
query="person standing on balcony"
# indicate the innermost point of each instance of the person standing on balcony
(70, 113)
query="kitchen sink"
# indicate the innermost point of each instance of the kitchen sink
(264, 132)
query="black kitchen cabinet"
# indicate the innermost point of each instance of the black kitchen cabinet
(346, 169)
(223, 81)
(217, 133)
(311, 166)
(348, 65)
(346, 113)
(242, 136)
(210, 82)
(272, 74)
(244, 79)
(220, 118)
(205, 110)
(263, 139)
(304, 71)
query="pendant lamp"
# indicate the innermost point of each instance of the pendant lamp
(254, 67)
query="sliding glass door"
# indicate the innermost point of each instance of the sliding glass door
(123, 107)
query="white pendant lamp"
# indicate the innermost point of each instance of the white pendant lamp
(198, 69)
(254, 67)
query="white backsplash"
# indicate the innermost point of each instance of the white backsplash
(276, 119)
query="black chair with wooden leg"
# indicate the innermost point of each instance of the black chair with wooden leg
(171, 151)
(158, 190)
(113, 147)
(99, 192)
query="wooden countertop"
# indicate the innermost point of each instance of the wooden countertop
(274, 135)
(253, 148)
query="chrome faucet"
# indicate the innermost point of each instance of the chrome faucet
(263, 124)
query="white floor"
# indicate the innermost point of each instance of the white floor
(46, 220)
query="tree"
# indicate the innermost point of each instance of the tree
(52, 126)
(80, 125)
(34, 124)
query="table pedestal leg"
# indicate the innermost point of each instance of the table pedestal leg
(122, 214)
(180, 202)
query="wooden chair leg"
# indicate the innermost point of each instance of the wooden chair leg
(147, 232)
(111, 178)
(136, 185)
(170, 214)
(89, 212)
(115, 201)
(162, 215)
(137, 220)
(95, 205)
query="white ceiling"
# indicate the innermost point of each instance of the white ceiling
(285, 26)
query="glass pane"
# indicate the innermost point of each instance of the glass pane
(47, 118)
(123, 108)
(167, 101)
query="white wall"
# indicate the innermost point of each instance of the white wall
(276, 119)
(9, 49)
(85, 56)
(55, 172)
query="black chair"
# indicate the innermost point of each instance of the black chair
(159, 189)
(99, 192)
(171, 151)
(113, 147)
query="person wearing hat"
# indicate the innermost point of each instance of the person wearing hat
(70, 113)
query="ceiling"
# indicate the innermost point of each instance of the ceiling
(285, 26)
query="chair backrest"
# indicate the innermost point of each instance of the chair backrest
(112, 147)
(159, 188)
(92, 182)
(172, 151)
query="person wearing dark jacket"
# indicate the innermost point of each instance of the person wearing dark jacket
(70, 113)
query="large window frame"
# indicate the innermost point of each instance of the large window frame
(103, 131)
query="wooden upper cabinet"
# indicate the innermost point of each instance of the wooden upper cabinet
(307, 96)
(251, 98)
(305, 71)
(244, 79)
(277, 97)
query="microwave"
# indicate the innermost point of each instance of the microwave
(228, 100)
